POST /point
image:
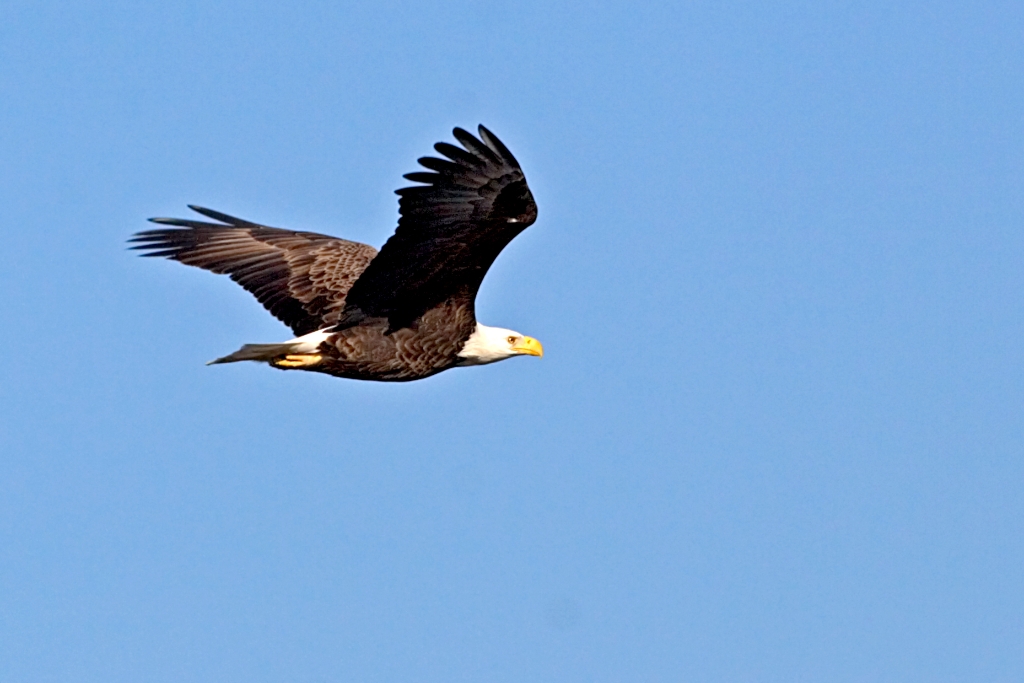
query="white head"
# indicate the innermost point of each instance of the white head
(491, 344)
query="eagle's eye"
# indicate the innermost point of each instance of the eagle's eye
(511, 340)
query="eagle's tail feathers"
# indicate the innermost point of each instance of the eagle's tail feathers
(306, 344)
(260, 352)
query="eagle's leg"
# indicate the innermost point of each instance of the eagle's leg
(304, 360)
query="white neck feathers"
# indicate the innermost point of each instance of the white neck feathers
(487, 345)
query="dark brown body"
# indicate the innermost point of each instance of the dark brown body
(423, 349)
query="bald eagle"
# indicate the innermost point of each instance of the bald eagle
(400, 314)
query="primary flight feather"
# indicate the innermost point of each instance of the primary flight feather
(403, 313)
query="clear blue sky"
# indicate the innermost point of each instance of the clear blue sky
(778, 272)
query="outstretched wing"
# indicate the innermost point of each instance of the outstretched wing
(300, 277)
(451, 229)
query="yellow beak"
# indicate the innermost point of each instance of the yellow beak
(529, 346)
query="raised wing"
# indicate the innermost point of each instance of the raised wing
(300, 277)
(451, 229)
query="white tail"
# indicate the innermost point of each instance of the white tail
(267, 352)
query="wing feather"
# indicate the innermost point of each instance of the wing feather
(302, 278)
(450, 231)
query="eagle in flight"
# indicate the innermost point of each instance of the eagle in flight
(402, 313)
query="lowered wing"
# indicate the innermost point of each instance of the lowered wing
(302, 278)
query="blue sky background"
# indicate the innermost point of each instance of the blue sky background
(777, 432)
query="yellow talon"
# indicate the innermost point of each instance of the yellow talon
(298, 361)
